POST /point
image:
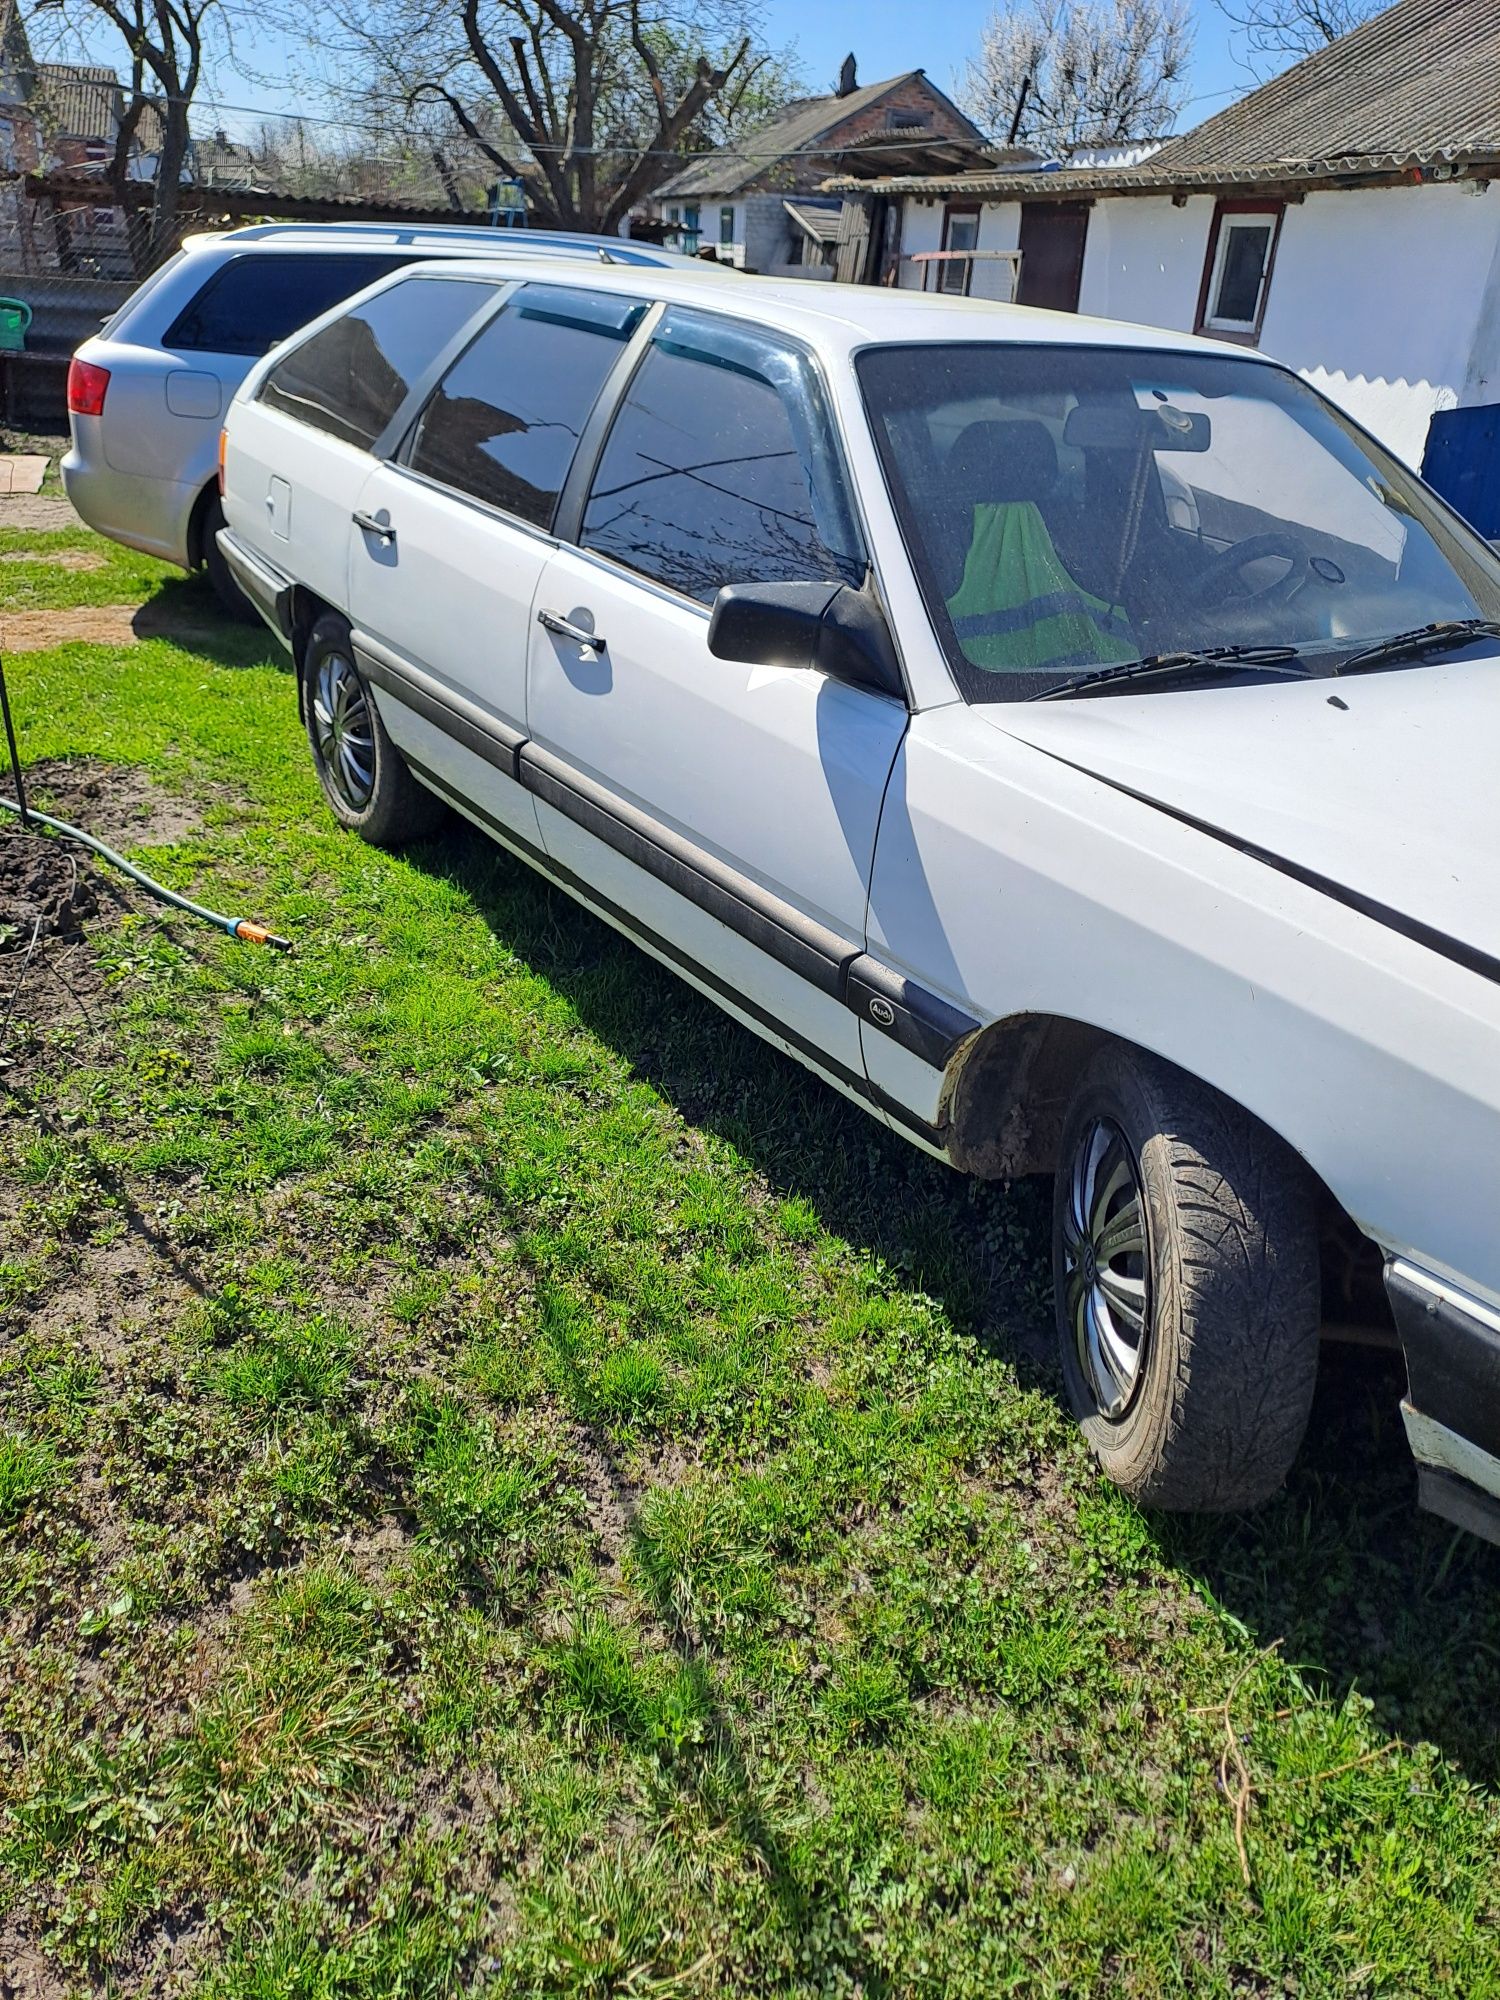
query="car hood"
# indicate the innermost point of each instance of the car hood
(1382, 789)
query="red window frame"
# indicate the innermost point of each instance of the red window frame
(1275, 211)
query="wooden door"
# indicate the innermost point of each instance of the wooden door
(1052, 239)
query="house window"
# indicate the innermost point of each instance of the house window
(726, 225)
(1237, 270)
(690, 229)
(960, 233)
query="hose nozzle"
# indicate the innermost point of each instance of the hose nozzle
(258, 934)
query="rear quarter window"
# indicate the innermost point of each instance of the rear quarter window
(352, 377)
(255, 300)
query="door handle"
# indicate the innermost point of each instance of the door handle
(566, 629)
(371, 526)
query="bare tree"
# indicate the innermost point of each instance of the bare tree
(1276, 33)
(1055, 74)
(164, 45)
(586, 101)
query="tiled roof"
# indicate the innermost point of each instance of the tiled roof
(797, 130)
(1416, 87)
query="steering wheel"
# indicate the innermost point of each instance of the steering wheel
(1212, 585)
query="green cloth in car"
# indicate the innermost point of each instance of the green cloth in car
(1017, 608)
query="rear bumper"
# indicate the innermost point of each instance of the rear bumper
(1452, 1407)
(267, 587)
(153, 515)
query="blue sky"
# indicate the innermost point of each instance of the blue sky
(887, 36)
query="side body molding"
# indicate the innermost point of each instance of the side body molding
(923, 1023)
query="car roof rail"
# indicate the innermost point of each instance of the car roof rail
(616, 249)
(399, 232)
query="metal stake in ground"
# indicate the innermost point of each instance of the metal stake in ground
(10, 745)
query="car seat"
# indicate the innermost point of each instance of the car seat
(1016, 606)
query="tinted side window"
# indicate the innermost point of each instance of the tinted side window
(504, 422)
(350, 379)
(720, 468)
(254, 301)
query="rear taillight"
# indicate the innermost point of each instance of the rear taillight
(223, 452)
(86, 386)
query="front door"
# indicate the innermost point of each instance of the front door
(724, 814)
(452, 536)
(1052, 239)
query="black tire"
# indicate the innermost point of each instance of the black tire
(361, 771)
(1213, 1415)
(232, 599)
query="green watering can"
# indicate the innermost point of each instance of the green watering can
(15, 317)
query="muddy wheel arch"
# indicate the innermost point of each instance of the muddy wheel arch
(1006, 1092)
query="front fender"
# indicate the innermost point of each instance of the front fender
(1015, 885)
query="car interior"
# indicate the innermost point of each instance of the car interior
(1061, 527)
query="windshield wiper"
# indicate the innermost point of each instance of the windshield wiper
(1442, 634)
(1172, 666)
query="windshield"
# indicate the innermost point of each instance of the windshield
(1071, 508)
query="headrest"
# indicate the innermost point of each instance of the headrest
(994, 460)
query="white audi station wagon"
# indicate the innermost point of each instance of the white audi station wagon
(147, 393)
(1074, 742)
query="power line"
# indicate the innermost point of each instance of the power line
(217, 107)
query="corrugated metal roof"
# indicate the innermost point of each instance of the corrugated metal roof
(797, 130)
(1417, 86)
(208, 202)
(821, 224)
(78, 100)
(1070, 184)
(1421, 80)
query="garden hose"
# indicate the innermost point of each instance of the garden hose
(237, 927)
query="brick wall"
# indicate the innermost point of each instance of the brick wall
(798, 175)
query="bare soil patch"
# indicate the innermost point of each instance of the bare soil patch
(116, 803)
(93, 624)
(53, 892)
(24, 1971)
(72, 559)
(108, 625)
(36, 511)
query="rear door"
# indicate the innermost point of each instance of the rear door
(301, 451)
(723, 813)
(452, 534)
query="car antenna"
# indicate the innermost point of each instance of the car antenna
(604, 256)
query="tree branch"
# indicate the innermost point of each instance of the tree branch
(706, 84)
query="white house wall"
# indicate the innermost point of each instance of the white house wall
(1143, 259)
(1388, 299)
(1376, 298)
(922, 229)
(999, 229)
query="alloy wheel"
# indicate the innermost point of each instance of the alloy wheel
(343, 730)
(1106, 1267)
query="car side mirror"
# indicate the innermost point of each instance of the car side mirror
(840, 631)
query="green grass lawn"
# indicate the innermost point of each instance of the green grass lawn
(508, 1487)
